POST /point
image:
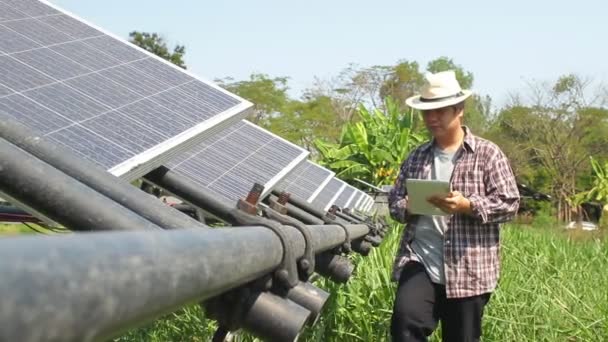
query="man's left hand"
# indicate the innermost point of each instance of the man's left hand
(453, 203)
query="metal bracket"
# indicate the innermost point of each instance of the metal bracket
(306, 265)
(246, 214)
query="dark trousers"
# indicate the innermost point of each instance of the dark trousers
(420, 304)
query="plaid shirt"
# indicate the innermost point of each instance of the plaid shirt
(471, 243)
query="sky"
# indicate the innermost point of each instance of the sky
(506, 44)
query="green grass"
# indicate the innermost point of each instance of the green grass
(554, 287)
(14, 229)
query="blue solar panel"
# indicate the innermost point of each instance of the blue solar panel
(329, 194)
(346, 194)
(306, 181)
(107, 100)
(229, 163)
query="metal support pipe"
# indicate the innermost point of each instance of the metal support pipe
(274, 318)
(303, 205)
(190, 192)
(298, 213)
(310, 297)
(59, 197)
(335, 267)
(85, 287)
(95, 177)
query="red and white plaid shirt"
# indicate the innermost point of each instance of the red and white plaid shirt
(471, 250)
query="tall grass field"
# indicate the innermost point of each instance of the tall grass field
(553, 287)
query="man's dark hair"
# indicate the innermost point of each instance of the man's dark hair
(459, 106)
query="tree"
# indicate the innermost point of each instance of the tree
(269, 95)
(404, 81)
(155, 44)
(549, 140)
(301, 122)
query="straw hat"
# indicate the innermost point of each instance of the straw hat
(440, 90)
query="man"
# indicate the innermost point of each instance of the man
(447, 265)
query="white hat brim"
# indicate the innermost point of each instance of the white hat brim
(415, 102)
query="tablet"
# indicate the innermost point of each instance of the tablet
(418, 190)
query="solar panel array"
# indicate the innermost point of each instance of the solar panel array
(358, 200)
(110, 102)
(230, 162)
(306, 181)
(328, 194)
(130, 111)
(346, 194)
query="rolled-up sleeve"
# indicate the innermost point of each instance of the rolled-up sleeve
(501, 200)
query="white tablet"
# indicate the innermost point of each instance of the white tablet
(418, 190)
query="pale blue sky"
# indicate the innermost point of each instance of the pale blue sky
(504, 44)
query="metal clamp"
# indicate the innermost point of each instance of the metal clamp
(245, 214)
(306, 265)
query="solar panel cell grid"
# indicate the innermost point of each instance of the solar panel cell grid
(327, 194)
(306, 181)
(229, 163)
(74, 84)
(344, 196)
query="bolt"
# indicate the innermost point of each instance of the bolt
(284, 197)
(304, 264)
(254, 194)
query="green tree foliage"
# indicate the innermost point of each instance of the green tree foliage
(404, 80)
(550, 140)
(373, 148)
(269, 95)
(303, 121)
(155, 44)
(599, 189)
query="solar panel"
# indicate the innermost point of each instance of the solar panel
(109, 101)
(329, 194)
(350, 202)
(367, 204)
(359, 200)
(306, 181)
(230, 162)
(371, 205)
(346, 194)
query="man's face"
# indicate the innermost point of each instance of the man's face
(442, 121)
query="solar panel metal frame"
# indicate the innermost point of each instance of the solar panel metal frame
(272, 182)
(346, 188)
(333, 196)
(333, 199)
(363, 204)
(359, 199)
(370, 205)
(144, 162)
(320, 186)
(370, 202)
(351, 198)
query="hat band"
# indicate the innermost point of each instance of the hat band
(437, 99)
